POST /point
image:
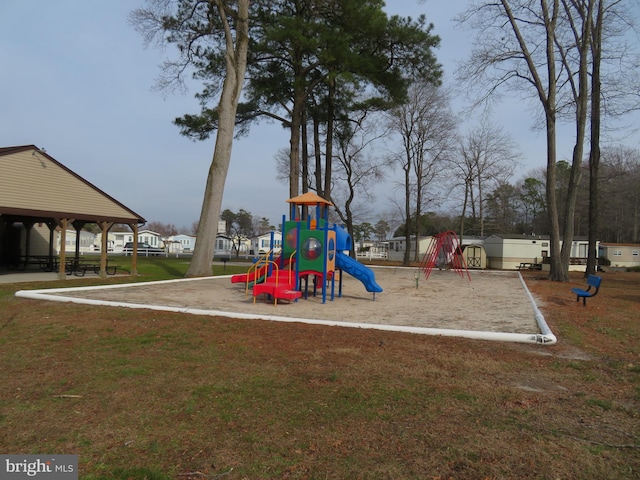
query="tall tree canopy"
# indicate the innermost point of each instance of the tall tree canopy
(303, 59)
(318, 60)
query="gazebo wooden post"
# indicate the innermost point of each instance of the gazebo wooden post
(134, 254)
(52, 228)
(62, 274)
(28, 226)
(77, 226)
(104, 227)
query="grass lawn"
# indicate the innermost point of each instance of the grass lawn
(143, 394)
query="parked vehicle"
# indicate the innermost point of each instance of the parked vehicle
(143, 249)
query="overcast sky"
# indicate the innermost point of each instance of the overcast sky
(78, 81)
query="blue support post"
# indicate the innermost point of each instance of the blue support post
(324, 262)
(298, 252)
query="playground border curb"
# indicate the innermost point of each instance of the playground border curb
(545, 337)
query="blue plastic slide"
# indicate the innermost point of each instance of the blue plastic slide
(359, 271)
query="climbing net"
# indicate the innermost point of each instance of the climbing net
(444, 251)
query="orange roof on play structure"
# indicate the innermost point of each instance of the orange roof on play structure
(309, 198)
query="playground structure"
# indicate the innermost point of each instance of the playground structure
(311, 249)
(444, 251)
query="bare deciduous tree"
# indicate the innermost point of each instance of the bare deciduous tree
(619, 191)
(164, 229)
(356, 169)
(212, 38)
(555, 47)
(426, 126)
(516, 47)
(485, 159)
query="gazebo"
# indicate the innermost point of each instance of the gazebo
(37, 189)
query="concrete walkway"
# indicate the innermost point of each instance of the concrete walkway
(22, 277)
(8, 276)
(11, 276)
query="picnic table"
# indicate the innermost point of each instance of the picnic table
(529, 266)
(79, 267)
(45, 262)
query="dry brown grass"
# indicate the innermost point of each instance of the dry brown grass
(142, 394)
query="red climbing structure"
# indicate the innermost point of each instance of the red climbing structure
(281, 284)
(444, 250)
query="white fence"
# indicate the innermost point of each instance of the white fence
(372, 255)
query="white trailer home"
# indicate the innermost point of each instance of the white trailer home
(620, 255)
(262, 243)
(398, 245)
(181, 243)
(512, 252)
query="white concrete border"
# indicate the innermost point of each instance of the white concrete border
(546, 337)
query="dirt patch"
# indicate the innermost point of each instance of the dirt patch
(487, 301)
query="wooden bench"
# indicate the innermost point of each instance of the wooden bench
(593, 281)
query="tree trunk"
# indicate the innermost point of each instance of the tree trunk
(418, 168)
(318, 156)
(552, 205)
(464, 206)
(480, 205)
(570, 204)
(236, 63)
(305, 154)
(556, 271)
(294, 142)
(407, 209)
(594, 154)
(328, 157)
(582, 104)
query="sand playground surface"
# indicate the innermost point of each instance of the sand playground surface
(490, 301)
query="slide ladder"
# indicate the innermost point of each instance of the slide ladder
(257, 273)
